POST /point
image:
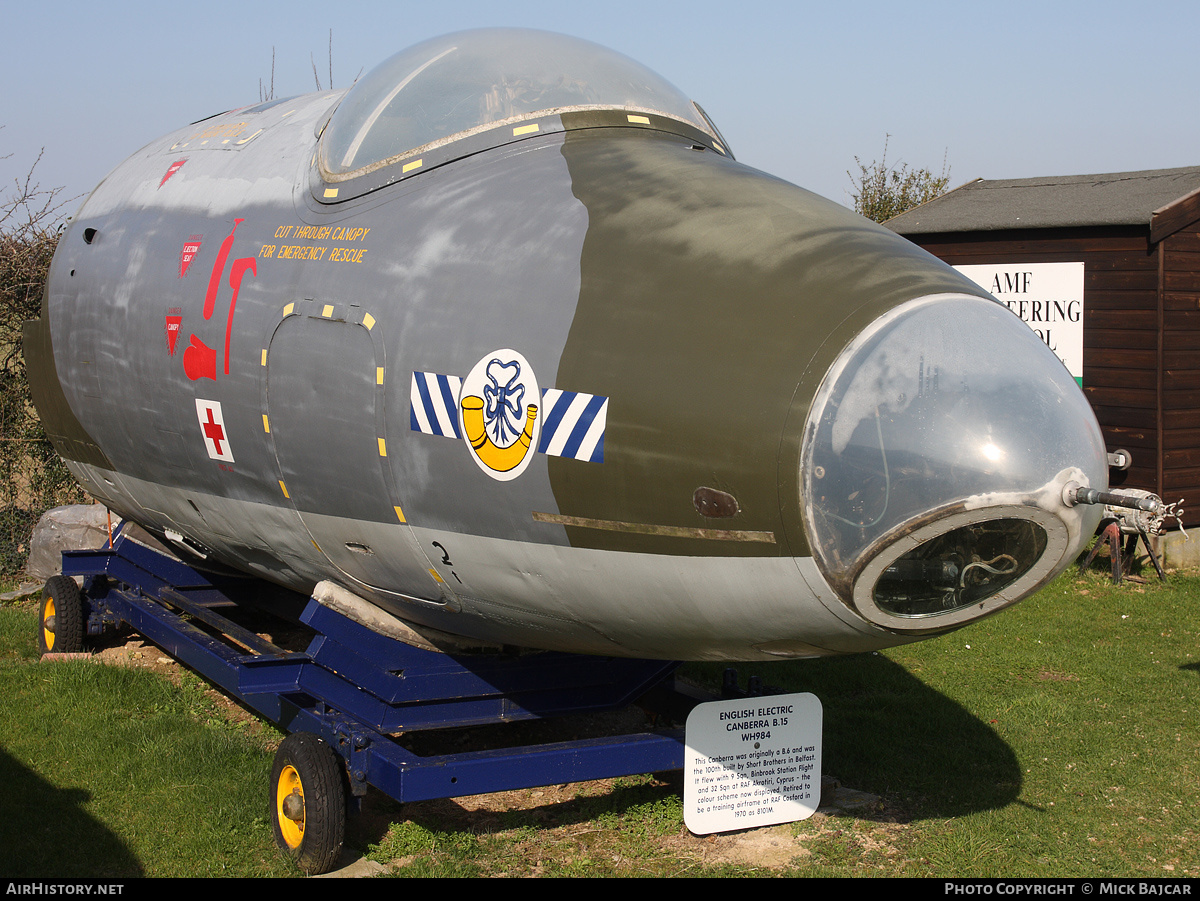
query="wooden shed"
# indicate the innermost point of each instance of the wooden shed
(1137, 235)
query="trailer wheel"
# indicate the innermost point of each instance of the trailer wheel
(308, 802)
(63, 621)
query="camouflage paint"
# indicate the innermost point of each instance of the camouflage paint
(228, 342)
(713, 299)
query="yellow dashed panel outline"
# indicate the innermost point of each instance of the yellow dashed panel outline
(526, 129)
(408, 167)
(368, 322)
(638, 120)
(331, 192)
(436, 577)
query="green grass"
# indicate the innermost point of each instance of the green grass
(1055, 739)
(109, 772)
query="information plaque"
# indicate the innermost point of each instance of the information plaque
(752, 762)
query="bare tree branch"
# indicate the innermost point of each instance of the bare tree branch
(29, 206)
(268, 95)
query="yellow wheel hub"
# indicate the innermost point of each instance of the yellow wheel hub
(47, 625)
(289, 806)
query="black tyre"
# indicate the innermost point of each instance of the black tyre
(63, 622)
(308, 802)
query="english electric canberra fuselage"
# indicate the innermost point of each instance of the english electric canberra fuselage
(505, 342)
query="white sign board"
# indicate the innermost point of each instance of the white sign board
(1047, 296)
(752, 762)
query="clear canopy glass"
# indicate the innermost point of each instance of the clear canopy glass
(938, 447)
(460, 83)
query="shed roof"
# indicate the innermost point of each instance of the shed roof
(1116, 198)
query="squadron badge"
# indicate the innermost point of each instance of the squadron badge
(502, 415)
(498, 413)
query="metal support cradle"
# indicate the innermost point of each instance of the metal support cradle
(363, 693)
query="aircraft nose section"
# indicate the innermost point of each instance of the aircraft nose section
(934, 461)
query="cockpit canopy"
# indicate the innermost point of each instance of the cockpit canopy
(458, 84)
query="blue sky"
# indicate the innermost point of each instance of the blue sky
(997, 90)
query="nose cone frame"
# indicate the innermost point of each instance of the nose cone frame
(933, 464)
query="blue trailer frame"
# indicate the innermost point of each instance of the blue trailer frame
(356, 690)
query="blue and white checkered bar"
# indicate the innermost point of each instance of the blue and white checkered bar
(573, 425)
(434, 404)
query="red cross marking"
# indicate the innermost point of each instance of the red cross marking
(214, 432)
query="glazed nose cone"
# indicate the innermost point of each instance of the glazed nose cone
(934, 460)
